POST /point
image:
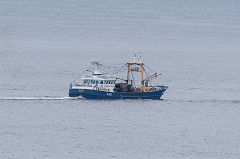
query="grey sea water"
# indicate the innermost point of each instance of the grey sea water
(45, 45)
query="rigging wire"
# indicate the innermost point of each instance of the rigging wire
(147, 76)
(118, 69)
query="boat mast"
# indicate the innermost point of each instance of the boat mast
(134, 67)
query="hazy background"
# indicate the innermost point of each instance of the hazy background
(44, 45)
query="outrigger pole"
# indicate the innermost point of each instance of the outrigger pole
(152, 76)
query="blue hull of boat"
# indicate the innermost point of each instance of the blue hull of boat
(96, 94)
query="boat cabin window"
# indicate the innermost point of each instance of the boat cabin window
(100, 81)
(85, 81)
(93, 81)
(111, 81)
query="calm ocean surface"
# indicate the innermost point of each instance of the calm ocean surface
(45, 45)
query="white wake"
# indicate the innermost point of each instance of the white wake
(39, 98)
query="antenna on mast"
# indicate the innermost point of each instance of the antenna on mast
(137, 57)
(97, 64)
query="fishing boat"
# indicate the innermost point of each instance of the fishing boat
(101, 85)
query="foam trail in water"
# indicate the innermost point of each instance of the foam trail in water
(38, 98)
(206, 101)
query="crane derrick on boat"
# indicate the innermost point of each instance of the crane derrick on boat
(138, 66)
